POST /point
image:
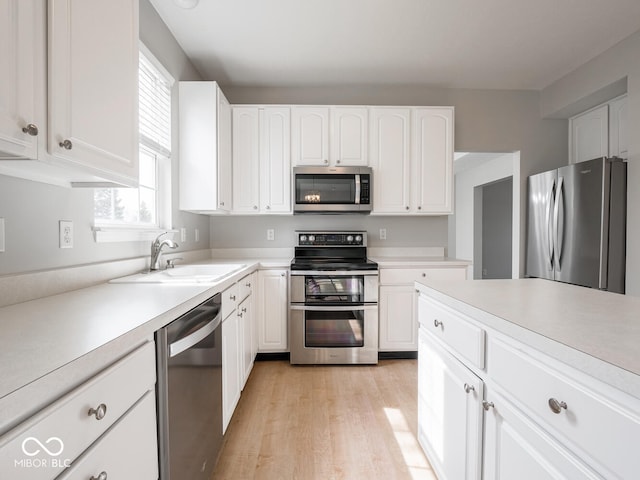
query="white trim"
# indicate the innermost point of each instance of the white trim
(156, 63)
(105, 234)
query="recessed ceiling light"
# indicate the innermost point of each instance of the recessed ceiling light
(186, 3)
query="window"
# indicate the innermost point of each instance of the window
(139, 207)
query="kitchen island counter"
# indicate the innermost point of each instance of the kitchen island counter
(594, 331)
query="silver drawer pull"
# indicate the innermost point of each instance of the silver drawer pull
(469, 388)
(556, 406)
(99, 413)
(437, 323)
(248, 284)
(232, 297)
(67, 145)
(487, 405)
(102, 476)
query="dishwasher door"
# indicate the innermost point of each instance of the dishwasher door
(189, 362)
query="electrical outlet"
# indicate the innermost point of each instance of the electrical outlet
(1, 234)
(196, 235)
(66, 234)
(183, 235)
(383, 234)
(271, 234)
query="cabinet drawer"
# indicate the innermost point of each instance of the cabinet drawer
(68, 421)
(463, 336)
(599, 428)
(245, 287)
(394, 276)
(127, 450)
(229, 300)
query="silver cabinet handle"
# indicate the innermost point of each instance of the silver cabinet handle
(268, 207)
(437, 323)
(232, 297)
(244, 309)
(67, 145)
(337, 162)
(487, 405)
(248, 284)
(326, 161)
(30, 129)
(101, 476)
(556, 406)
(469, 388)
(222, 204)
(240, 314)
(424, 275)
(283, 274)
(406, 208)
(99, 412)
(255, 207)
(419, 207)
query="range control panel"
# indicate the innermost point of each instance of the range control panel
(331, 239)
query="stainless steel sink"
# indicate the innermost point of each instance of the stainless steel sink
(203, 273)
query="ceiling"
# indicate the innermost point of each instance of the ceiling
(494, 44)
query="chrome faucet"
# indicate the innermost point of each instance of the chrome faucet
(156, 250)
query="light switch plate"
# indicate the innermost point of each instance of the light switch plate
(1, 234)
(271, 234)
(383, 234)
(183, 235)
(66, 234)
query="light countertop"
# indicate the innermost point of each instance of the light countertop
(580, 326)
(417, 261)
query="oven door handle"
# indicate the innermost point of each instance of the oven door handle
(336, 308)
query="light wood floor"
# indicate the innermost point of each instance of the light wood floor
(326, 423)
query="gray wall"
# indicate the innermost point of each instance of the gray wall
(485, 121)
(600, 79)
(496, 229)
(32, 210)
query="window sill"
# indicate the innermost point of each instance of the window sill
(110, 234)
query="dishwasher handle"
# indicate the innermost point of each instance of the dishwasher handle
(195, 337)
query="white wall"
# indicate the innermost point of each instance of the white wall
(464, 236)
(32, 210)
(585, 87)
(497, 229)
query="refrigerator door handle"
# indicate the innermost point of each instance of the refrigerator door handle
(550, 229)
(558, 220)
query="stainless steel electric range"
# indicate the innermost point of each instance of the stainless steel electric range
(334, 299)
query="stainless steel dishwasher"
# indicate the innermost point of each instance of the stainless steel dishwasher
(189, 388)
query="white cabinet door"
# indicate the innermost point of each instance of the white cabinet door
(205, 148)
(246, 159)
(398, 323)
(449, 412)
(349, 136)
(310, 135)
(93, 86)
(515, 447)
(432, 173)
(21, 25)
(589, 135)
(618, 135)
(275, 160)
(231, 364)
(390, 159)
(271, 310)
(245, 315)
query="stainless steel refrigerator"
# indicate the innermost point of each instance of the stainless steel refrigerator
(577, 224)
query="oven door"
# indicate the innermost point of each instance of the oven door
(333, 334)
(333, 288)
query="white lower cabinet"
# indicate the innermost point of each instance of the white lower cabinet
(272, 311)
(542, 418)
(449, 412)
(127, 450)
(105, 424)
(248, 330)
(515, 447)
(398, 329)
(230, 368)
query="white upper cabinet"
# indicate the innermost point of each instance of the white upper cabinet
(391, 159)
(618, 135)
(432, 153)
(349, 136)
(310, 135)
(412, 158)
(93, 86)
(205, 148)
(589, 135)
(20, 36)
(261, 159)
(83, 98)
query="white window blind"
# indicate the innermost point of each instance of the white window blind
(154, 108)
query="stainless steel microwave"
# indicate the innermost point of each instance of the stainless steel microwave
(332, 189)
